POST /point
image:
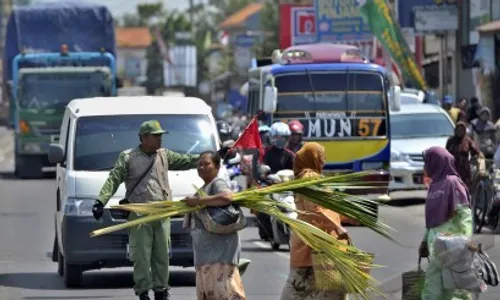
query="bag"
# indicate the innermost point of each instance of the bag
(223, 215)
(413, 283)
(118, 213)
(487, 268)
(327, 278)
(222, 220)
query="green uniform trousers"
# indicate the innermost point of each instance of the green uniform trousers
(149, 251)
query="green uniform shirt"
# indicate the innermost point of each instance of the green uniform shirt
(119, 173)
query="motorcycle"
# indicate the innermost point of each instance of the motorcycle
(232, 165)
(271, 228)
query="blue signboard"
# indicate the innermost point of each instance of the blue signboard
(244, 40)
(340, 20)
(406, 9)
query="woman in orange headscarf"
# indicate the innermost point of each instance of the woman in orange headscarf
(300, 285)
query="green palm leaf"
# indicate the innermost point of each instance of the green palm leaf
(325, 191)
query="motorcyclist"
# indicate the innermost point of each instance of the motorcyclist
(295, 140)
(453, 111)
(264, 132)
(277, 157)
(225, 131)
(484, 133)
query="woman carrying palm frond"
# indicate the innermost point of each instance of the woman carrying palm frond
(300, 285)
(447, 210)
(216, 256)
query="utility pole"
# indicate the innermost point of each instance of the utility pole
(191, 19)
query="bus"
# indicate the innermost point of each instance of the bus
(341, 98)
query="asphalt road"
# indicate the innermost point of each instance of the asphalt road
(27, 233)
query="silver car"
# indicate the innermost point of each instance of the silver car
(415, 128)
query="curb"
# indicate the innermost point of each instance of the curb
(392, 286)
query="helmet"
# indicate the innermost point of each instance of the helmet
(224, 128)
(280, 129)
(296, 127)
(448, 99)
(264, 128)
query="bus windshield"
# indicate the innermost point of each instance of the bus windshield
(333, 104)
(56, 90)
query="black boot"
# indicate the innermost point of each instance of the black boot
(144, 296)
(162, 295)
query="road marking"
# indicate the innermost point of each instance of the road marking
(268, 247)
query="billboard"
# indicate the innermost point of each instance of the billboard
(406, 9)
(341, 21)
(297, 25)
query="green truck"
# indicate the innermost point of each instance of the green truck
(73, 57)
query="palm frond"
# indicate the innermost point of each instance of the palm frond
(348, 260)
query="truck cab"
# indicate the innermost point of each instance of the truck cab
(42, 85)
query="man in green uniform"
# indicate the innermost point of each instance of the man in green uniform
(144, 170)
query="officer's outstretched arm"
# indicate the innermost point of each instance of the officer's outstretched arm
(180, 162)
(116, 176)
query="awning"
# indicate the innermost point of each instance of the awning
(490, 27)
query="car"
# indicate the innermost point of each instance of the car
(410, 98)
(93, 133)
(415, 128)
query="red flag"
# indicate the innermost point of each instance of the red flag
(250, 138)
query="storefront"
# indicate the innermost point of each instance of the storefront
(487, 77)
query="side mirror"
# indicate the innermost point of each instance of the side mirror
(235, 160)
(395, 98)
(270, 99)
(264, 170)
(56, 154)
(228, 144)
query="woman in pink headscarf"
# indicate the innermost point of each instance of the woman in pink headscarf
(447, 210)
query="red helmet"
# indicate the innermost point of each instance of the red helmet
(296, 127)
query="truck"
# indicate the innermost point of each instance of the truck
(342, 99)
(54, 53)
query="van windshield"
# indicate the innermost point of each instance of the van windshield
(100, 139)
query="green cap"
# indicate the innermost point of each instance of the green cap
(151, 127)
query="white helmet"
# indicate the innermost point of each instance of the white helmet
(280, 129)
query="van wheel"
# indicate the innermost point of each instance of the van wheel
(54, 250)
(60, 263)
(73, 275)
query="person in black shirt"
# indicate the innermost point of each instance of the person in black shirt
(278, 158)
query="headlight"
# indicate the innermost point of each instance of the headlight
(32, 147)
(81, 207)
(396, 156)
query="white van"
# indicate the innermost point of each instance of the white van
(93, 132)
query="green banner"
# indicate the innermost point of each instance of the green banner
(379, 18)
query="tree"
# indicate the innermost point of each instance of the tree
(269, 20)
(132, 20)
(169, 24)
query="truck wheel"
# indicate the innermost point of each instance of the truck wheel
(54, 250)
(28, 167)
(73, 275)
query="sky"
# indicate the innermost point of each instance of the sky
(120, 7)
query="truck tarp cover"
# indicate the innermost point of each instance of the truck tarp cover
(44, 27)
